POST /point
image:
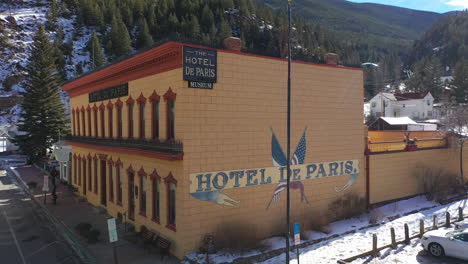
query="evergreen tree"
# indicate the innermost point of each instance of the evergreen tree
(460, 81)
(43, 118)
(143, 39)
(426, 77)
(94, 46)
(120, 39)
(3, 38)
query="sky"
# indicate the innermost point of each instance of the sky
(439, 6)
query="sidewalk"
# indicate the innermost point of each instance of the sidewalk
(70, 212)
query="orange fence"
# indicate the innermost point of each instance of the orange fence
(381, 136)
(387, 146)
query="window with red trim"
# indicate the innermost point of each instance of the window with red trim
(156, 188)
(95, 175)
(143, 195)
(142, 119)
(74, 122)
(95, 121)
(78, 127)
(74, 170)
(83, 121)
(88, 111)
(111, 182)
(118, 182)
(170, 119)
(130, 120)
(85, 168)
(90, 181)
(155, 118)
(103, 124)
(110, 122)
(171, 184)
(79, 171)
(119, 122)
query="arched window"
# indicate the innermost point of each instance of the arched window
(142, 174)
(171, 186)
(88, 113)
(111, 179)
(103, 122)
(156, 191)
(130, 102)
(119, 181)
(142, 116)
(154, 99)
(83, 121)
(110, 107)
(119, 105)
(74, 122)
(95, 174)
(95, 120)
(170, 97)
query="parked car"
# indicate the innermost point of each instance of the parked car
(452, 243)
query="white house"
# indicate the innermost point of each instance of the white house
(417, 106)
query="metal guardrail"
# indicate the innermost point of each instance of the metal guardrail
(168, 146)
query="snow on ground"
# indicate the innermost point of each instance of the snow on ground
(346, 246)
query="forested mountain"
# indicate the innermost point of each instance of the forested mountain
(90, 33)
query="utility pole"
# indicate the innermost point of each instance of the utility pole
(288, 135)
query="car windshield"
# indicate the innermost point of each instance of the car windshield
(453, 233)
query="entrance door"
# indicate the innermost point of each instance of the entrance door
(84, 177)
(131, 196)
(103, 183)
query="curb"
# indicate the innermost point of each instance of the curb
(63, 230)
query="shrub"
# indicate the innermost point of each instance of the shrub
(347, 206)
(319, 223)
(438, 184)
(236, 237)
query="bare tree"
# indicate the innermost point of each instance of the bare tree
(456, 122)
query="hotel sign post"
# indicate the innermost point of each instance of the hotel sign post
(200, 67)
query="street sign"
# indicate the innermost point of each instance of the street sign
(112, 230)
(45, 186)
(297, 233)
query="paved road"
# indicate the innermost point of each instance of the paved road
(24, 235)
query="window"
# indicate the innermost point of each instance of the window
(119, 181)
(171, 119)
(404, 105)
(169, 97)
(74, 122)
(89, 173)
(95, 184)
(110, 122)
(95, 121)
(172, 204)
(111, 182)
(142, 120)
(143, 195)
(154, 99)
(385, 103)
(88, 111)
(103, 122)
(171, 184)
(78, 129)
(79, 171)
(83, 122)
(74, 170)
(155, 120)
(119, 122)
(462, 237)
(130, 121)
(156, 198)
(373, 104)
(428, 102)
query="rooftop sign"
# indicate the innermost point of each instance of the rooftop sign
(200, 67)
(109, 93)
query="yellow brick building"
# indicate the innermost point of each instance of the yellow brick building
(186, 161)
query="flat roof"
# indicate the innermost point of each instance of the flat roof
(161, 58)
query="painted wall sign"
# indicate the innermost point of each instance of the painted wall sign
(109, 93)
(207, 186)
(200, 66)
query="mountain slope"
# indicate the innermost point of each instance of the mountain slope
(372, 19)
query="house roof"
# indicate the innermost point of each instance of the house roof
(398, 121)
(410, 96)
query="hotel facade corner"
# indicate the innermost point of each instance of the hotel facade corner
(184, 139)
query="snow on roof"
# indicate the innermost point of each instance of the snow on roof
(389, 96)
(410, 96)
(395, 121)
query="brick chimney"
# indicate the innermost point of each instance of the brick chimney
(232, 43)
(331, 58)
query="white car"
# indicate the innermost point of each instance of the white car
(446, 243)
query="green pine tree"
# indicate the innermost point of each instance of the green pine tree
(121, 44)
(460, 81)
(426, 77)
(3, 38)
(94, 46)
(143, 39)
(43, 118)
